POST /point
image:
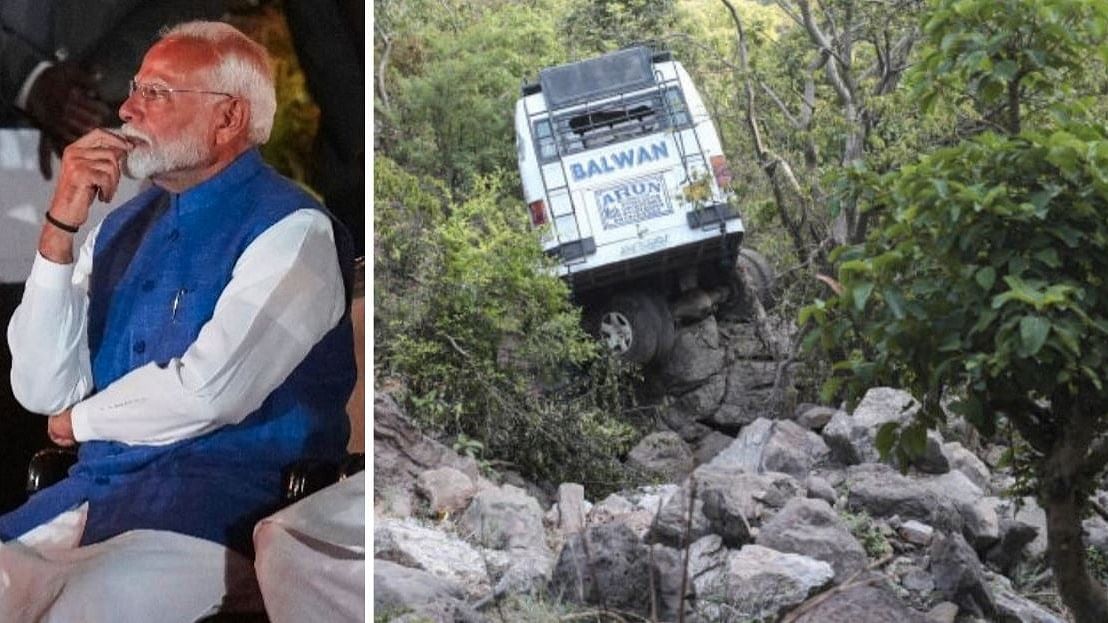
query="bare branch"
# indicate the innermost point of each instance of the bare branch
(781, 105)
(382, 66)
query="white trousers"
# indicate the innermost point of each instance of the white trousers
(140, 576)
(310, 557)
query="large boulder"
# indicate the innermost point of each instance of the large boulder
(691, 407)
(967, 462)
(635, 509)
(811, 527)
(814, 417)
(446, 489)
(400, 454)
(757, 583)
(506, 518)
(749, 394)
(662, 455)
(728, 502)
(610, 565)
(852, 437)
(1009, 550)
(1011, 606)
(980, 519)
(696, 356)
(400, 592)
(960, 577)
(882, 492)
(407, 543)
(862, 603)
(774, 446)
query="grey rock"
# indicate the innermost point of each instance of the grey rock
(933, 460)
(851, 437)
(446, 489)
(571, 508)
(943, 612)
(959, 576)
(967, 462)
(407, 543)
(710, 445)
(774, 446)
(505, 518)
(662, 455)
(916, 533)
(609, 564)
(820, 489)
(400, 454)
(814, 417)
(1014, 607)
(696, 356)
(758, 583)
(980, 520)
(399, 591)
(749, 393)
(873, 603)
(728, 502)
(1014, 537)
(918, 581)
(882, 492)
(699, 403)
(811, 527)
(1032, 514)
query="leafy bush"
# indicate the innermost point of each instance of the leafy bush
(478, 333)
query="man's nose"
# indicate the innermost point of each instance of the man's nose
(127, 109)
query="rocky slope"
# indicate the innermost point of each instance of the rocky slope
(769, 513)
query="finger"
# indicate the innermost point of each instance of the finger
(103, 138)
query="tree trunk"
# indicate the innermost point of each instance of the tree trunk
(1082, 595)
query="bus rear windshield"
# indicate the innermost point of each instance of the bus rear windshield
(612, 122)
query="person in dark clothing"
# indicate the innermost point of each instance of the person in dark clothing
(329, 38)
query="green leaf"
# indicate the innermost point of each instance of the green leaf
(895, 302)
(861, 293)
(886, 437)
(914, 440)
(986, 277)
(1033, 332)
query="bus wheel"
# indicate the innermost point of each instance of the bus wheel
(630, 325)
(752, 271)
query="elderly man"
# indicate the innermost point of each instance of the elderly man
(196, 344)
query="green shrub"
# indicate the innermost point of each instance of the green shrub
(478, 334)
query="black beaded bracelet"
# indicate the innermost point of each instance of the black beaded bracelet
(60, 225)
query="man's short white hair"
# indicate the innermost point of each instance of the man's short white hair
(244, 69)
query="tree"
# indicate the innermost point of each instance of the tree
(985, 279)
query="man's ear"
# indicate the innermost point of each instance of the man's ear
(233, 120)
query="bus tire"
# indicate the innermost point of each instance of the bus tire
(629, 324)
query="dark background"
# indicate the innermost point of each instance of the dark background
(21, 433)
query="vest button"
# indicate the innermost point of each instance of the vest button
(148, 285)
(175, 234)
(139, 347)
(101, 480)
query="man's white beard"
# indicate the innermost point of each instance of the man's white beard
(150, 158)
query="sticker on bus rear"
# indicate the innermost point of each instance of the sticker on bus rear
(632, 202)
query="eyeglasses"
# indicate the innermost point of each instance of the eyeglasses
(156, 92)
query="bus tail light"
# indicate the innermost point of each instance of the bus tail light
(721, 171)
(538, 212)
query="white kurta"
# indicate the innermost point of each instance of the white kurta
(311, 556)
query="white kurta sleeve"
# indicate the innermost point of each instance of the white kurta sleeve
(47, 336)
(285, 294)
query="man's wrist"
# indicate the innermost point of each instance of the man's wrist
(68, 228)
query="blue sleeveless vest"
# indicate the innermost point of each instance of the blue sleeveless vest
(159, 265)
